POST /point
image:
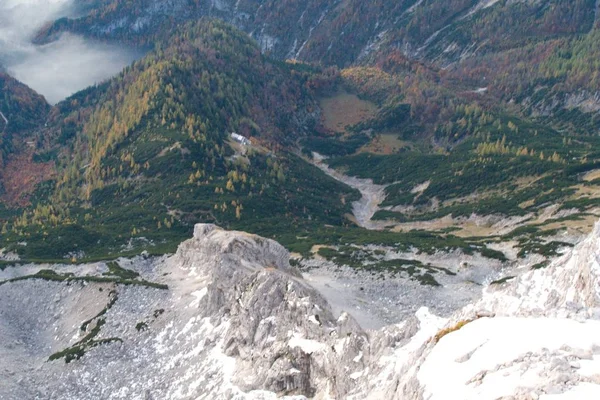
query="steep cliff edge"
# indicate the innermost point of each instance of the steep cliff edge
(238, 322)
(537, 337)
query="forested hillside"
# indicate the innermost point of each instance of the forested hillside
(207, 81)
(408, 154)
(481, 43)
(22, 109)
(22, 106)
(463, 111)
(149, 153)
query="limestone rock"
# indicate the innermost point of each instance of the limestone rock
(238, 322)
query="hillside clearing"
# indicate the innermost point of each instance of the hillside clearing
(345, 109)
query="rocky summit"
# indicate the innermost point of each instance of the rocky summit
(227, 317)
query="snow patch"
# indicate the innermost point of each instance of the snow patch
(199, 295)
(306, 345)
(486, 358)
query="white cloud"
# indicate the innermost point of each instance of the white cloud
(60, 68)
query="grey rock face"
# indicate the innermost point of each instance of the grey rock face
(238, 322)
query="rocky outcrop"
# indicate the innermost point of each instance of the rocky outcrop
(236, 322)
(534, 337)
(569, 287)
(239, 322)
(279, 330)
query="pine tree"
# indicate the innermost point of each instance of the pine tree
(230, 186)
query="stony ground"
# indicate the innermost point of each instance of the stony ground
(371, 194)
(377, 300)
(237, 322)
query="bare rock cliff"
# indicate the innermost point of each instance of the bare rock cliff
(238, 322)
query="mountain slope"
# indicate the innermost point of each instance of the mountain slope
(236, 321)
(22, 114)
(22, 109)
(151, 150)
(343, 32)
(543, 322)
(448, 136)
(476, 41)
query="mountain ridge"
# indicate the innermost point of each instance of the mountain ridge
(153, 145)
(267, 333)
(391, 155)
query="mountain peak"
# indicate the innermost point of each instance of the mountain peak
(237, 321)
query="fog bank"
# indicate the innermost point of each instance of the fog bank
(63, 67)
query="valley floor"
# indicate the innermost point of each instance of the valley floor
(372, 195)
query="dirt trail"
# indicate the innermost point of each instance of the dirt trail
(371, 194)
